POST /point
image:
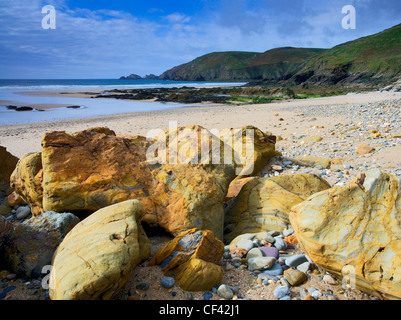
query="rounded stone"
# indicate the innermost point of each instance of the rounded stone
(281, 292)
(280, 244)
(270, 252)
(245, 244)
(295, 260)
(275, 270)
(23, 212)
(167, 282)
(254, 253)
(260, 263)
(295, 277)
(225, 292)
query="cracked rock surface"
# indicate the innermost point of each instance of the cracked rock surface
(354, 231)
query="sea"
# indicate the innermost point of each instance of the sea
(10, 90)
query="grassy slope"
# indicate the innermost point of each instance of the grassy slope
(235, 65)
(378, 55)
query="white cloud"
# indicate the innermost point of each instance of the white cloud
(177, 18)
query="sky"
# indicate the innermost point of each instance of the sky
(103, 39)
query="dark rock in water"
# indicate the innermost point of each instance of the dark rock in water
(131, 77)
(74, 107)
(11, 107)
(24, 108)
(40, 110)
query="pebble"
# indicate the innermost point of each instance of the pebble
(281, 292)
(207, 296)
(143, 286)
(245, 244)
(295, 277)
(254, 253)
(270, 252)
(304, 267)
(260, 263)
(329, 279)
(280, 244)
(275, 270)
(225, 292)
(23, 212)
(295, 260)
(167, 282)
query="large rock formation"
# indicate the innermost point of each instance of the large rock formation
(192, 258)
(263, 204)
(92, 169)
(181, 177)
(354, 231)
(96, 258)
(192, 179)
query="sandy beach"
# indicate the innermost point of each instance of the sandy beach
(282, 118)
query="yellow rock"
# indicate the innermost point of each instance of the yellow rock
(27, 181)
(354, 231)
(192, 258)
(253, 148)
(316, 161)
(96, 258)
(263, 204)
(364, 149)
(311, 139)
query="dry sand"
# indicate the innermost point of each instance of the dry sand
(21, 139)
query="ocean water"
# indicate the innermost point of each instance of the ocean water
(10, 90)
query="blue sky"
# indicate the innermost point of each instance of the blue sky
(107, 39)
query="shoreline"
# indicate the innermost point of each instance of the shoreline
(281, 118)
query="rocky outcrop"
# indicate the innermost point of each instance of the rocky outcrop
(354, 232)
(192, 258)
(96, 258)
(264, 204)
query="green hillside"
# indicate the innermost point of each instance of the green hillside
(277, 64)
(372, 59)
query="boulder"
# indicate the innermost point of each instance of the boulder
(263, 204)
(96, 258)
(252, 147)
(192, 179)
(31, 244)
(27, 181)
(92, 169)
(354, 231)
(192, 259)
